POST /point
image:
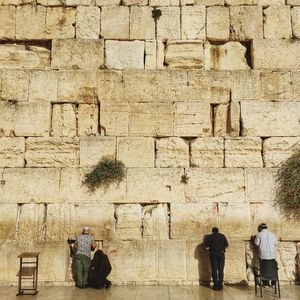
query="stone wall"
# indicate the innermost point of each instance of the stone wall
(206, 89)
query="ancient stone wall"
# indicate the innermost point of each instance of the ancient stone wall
(202, 88)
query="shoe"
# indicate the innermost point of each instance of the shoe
(215, 288)
(108, 285)
(85, 286)
(220, 288)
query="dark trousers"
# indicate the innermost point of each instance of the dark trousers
(217, 262)
(268, 268)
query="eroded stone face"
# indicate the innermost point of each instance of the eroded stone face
(12, 152)
(8, 221)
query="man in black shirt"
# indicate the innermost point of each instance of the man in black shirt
(216, 244)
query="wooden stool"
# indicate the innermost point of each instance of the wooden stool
(29, 263)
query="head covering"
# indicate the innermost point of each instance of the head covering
(263, 226)
(86, 228)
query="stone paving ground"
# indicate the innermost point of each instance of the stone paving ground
(150, 293)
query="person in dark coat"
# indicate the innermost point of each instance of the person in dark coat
(216, 243)
(99, 270)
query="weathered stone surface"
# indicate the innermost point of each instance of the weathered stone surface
(172, 152)
(270, 119)
(229, 56)
(115, 22)
(246, 22)
(124, 54)
(215, 184)
(243, 152)
(163, 2)
(14, 56)
(107, 2)
(260, 185)
(100, 219)
(52, 152)
(140, 183)
(23, 185)
(93, 149)
(131, 260)
(207, 152)
(151, 119)
(150, 54)
(184, 55)
(136, 151)
(114, 118)
(87, 117)
(271, 2)
(12, 152)
(7, 22)
(278, 149)
(287, 253)
(217, 23)
(128, 222)
(277, 22)
(275, 54)
(25, 119)
(193, 22)
(209, 2)
(192, 119)
(240, 2)
(60, 23)
(87, 22)
(8, 220)
(141, 15)
(296, 21)
(135, 2)
(289, 229)
(63, 120)
(296, 84)
(155, 222)
(192, 220)
(77, 54)
(168, 25)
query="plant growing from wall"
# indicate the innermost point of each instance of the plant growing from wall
(107, 171)
(287, 196)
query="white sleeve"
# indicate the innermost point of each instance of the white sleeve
(257, 240)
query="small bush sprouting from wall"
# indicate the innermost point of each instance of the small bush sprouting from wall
(107, 171)
(288, 186)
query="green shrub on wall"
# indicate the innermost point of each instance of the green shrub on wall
(107, 171)
(288, 186)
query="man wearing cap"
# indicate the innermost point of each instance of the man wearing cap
(84, 244)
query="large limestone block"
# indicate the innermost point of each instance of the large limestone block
(192, 119)
(296, 83)
(193, 220)
(14, 56)
(229, 56)
(131, 260)
(141, 15)
(150, 54)
(184, 55)
(23, 185)
(100, 218)
(207, 152)
(296, 21)
(77, 54)
(193, 22)
(135, 2)
(277, 22)
(18, 2)
(289, 228)
(115, 22)
(77, 86)
(114, 118)
(52, 152)
(12, 152)
(155, 222)
(124, 54)
(287, 253)
(7, 22)
(140, 183)
(278, 149)
(168, 252)
(87, 117)
(73, 190)
(168, 24)
(208, 2)
(275, 54)
(260, 184)
(151, 119)
(25, 119)
(64, 120)
(93, 149)
(8, 220)
(30, 22)
(60, 23)
(172, 152)
(43, 86)
(270, 119)
(87, 22)
(243, 152)
(217, 23)
(246, 22)
(215, 184)
(136, 151)
(128, 222)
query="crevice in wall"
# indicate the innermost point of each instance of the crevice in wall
(98, 117)
(19, 212)
(75, 107)
(228, 119)
(224, 153)
(169, 220)
(241, 122)
(51, 120)
(25, 150)
(263, 139)
(155, 153)
(47, 44)
(44, 223)
(142, 220)
(248, 54)
(213, 116)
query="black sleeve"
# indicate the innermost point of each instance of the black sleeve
(225, 242)
(208, 242)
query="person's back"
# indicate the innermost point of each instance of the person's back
(84, 242)
(266, 242)
(216, 242)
